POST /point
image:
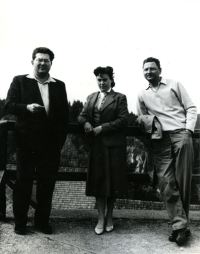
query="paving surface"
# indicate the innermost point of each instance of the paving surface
(135, 231)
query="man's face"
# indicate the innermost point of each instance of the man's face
(41, 64)
(104, 82)
(151, 72)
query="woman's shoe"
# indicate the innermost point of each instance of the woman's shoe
(98, 231)
(109, 229)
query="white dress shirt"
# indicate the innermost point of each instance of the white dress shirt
(44, 90)
(101, 98)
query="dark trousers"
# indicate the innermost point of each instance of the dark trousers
(2, 194)
(44, 160)
(173, 161)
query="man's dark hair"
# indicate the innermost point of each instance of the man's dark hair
(152, 59)
(105, 70)
(43, 50)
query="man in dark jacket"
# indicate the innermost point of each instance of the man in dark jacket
(40, 104)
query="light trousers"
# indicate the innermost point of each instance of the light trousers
(173, 160)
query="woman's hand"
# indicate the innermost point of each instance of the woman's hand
(97, 130)
(88, 128)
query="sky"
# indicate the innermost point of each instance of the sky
(85, 34)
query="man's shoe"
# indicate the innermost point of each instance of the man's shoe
(183, 235)
(173, 236)
(45, 229)
(20, 230)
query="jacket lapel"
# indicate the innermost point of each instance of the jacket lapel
(34, 92)
(92, 102)
(52, 98)
(109, 100)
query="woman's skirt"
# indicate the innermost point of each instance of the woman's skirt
(107, 171)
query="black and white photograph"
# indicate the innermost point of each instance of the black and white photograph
(99, 127)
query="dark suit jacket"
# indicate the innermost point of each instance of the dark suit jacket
(29, 126)
(113, 116)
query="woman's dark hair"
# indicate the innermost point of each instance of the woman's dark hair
(105, 70)
(152, 59)
(43, 50)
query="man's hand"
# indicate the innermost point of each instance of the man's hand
(88, 128)
(97, 130)
(35, 108)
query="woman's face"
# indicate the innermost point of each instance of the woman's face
(104, 82)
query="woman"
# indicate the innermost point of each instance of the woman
(104, 117)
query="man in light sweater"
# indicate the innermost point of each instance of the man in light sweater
(172, 155)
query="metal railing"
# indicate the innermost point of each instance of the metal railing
(10, 174)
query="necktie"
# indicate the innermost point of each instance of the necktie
(102, 100)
